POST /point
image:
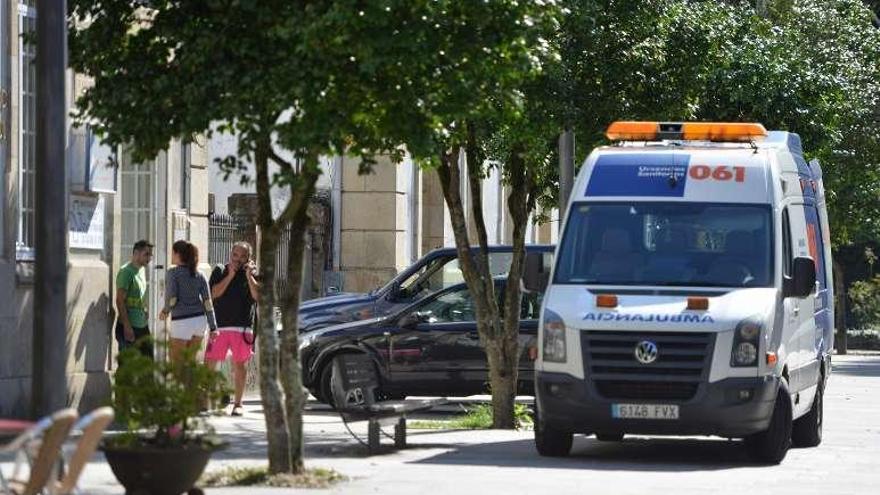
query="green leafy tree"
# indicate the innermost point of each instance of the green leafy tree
(438, 70)
(167, 70)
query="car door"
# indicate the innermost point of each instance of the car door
(528, 337)
(431, 357)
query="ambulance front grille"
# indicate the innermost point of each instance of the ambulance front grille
(683, 361)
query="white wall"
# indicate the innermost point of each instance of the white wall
(223, 145)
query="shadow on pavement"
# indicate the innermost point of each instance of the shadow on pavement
(866, 366)
(632, 454)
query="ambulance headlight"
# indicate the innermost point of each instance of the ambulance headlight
(745, 343)
(745, 354)
(553, 334)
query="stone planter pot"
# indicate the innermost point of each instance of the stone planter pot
(147, 470)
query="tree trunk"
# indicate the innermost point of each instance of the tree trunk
(475, 268)
(518, 203)
(840, 307)
(270, 389)
(291, 368)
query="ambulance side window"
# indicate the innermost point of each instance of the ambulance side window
(786, 244)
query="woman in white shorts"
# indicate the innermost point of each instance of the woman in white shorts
(188, 301)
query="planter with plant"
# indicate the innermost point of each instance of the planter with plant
(166, 445)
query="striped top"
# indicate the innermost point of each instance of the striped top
(187, 296)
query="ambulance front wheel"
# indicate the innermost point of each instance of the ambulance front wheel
(807, 430)
(771, 445)
(551, 442)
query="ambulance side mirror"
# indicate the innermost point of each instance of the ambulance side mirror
(535, 276)
(803, 278)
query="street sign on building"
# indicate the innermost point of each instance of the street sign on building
(86, 222)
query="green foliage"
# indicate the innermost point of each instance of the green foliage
(865, 298)
(159, 403)
(254, 68)
(432, 65)
(477, 417)
(260, 476)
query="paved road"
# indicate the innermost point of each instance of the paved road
(848, 461)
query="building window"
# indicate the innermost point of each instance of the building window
(185, 164)
(137, 204)
(27, 94)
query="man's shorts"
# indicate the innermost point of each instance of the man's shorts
(239, 340)
(142, 341)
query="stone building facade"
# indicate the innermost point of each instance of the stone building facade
(109, 207)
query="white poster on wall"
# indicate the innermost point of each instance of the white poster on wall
(87, 222)
(101, 165)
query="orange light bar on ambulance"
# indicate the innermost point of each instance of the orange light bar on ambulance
(606, 301)
(688, 131)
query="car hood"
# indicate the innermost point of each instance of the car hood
(335, 300)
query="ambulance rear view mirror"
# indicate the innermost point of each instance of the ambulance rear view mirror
(536, 275)
(803, 278)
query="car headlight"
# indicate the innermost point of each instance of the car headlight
(745, 343)
(554, 337)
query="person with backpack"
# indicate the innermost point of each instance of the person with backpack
(236, 290)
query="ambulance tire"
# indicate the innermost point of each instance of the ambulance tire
(771, 445)
(609, 437)
(551, 442)
(807, 431)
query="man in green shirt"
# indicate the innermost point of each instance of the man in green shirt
(132, 326)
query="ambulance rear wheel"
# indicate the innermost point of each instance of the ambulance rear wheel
(771, 445)
(551, 442)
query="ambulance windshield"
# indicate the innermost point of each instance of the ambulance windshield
(667, 244)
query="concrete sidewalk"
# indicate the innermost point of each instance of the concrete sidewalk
(505, 461)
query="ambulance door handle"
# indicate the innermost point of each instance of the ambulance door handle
(796, 310)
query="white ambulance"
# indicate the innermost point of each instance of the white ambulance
(691, 292)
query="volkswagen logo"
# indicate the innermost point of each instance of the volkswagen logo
(646, 352)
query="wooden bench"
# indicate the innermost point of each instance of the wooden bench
(354, 384)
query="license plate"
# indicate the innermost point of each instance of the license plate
(644, 411)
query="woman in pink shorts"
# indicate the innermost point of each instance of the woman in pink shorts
(235, 291)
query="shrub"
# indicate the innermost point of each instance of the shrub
(865, 298)
(159, 403)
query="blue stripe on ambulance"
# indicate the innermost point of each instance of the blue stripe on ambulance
(816, 243)
(641, 174)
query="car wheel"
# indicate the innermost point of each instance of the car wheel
(326, 392)
(316, 393)
(807, 430)
(551, 442)
(609, 437)
(771, 445)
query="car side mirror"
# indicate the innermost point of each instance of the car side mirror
(393, 293)
(802, 281)
(535, 275)
(413, 320)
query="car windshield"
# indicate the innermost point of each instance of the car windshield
(444, 271)
(667, 244)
